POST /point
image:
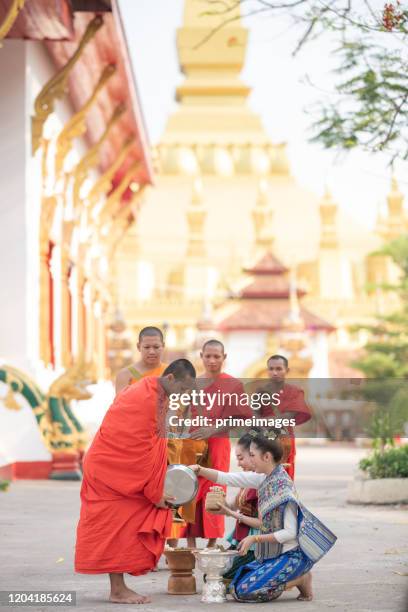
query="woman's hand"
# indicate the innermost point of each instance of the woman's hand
(195, 468)
(203, 433)
(224, 509)
(245, 545)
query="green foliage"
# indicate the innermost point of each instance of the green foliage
(369, 107)
(386, 353)
(392, 463)
(4, 485)
(385, 362)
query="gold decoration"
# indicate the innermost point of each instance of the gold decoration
(57, 85)
(72, 384)
(262, 215)
(90, 159)
(10, 401)
(15, 7)
(104, 183)
(67, 230)
(76, 125)
(114, 199)
(131, 207)
(196, 215)
(328, 213)
(48, 206)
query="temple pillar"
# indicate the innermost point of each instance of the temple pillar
(66, 264)
(44, 318)
(80, 303)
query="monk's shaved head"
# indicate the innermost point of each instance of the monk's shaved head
(213, 344)
(180, 368)
(151, 331)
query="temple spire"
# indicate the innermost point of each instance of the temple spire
(211, 58)
(328, 214)
(262, 214)
(196, 215)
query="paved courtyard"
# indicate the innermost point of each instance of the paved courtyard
(366, 570)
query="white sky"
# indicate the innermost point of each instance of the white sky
(358, 181)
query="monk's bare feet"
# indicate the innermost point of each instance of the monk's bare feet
(305, 588)
(127, 596)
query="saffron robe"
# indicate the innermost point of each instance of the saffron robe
(292, 399)
(208, 525)
(120, 529)
(173, 445)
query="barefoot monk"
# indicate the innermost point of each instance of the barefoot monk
(124, 517)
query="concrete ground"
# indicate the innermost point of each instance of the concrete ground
(366, 570)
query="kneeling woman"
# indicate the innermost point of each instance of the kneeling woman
(291, 539)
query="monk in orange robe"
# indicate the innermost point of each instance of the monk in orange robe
(292, 405)
(206, 525)
(124, 517)
(151, 346)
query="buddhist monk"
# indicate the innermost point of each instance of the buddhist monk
(213, 380)
(292, 405)
(124, 515)
(150, 346)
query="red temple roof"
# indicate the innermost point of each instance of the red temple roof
(268, 264)
(269, 316)
(264, 304)
(61, 27)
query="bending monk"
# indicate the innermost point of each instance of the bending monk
(150, 346)
(124, 516)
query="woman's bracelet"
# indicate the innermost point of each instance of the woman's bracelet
(257, 539)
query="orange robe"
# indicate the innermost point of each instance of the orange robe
(136, 375)
(173, 445)
(208, 525)
(292, 399)
(120, 529)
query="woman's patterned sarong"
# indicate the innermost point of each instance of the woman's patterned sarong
(260, 582)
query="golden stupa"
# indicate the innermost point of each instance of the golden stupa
(224, 194)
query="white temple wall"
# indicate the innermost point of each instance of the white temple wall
(13, 226)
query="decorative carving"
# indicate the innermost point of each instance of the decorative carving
(76, 125)
(131, 206)
(56, 86)
(90, 159)
(15, 7)
(113, 200)
(104, 183)
(214, 563)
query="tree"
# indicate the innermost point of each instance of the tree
(369, 105)
(385, 362)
